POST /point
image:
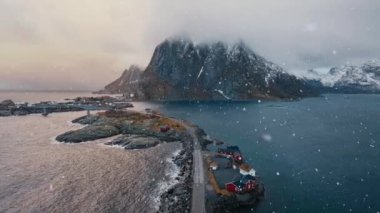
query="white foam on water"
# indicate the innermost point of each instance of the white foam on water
(75, 125)
(114, 146)
(171, 173)
(54, 141)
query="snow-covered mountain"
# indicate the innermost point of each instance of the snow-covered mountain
(180, 69)
(350, 78)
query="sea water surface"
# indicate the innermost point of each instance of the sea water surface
(314, 155)
(38, 174)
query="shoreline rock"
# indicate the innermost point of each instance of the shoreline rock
(9, 108)
(88, 133)
(178, 197)
(140, 131)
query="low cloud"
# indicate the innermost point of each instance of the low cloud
(67, 44)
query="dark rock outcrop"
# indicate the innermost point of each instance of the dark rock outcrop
(181, 70)
(7, 103)
(127, 83)
(86, 120)
(88, 133)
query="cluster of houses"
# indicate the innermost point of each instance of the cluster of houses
(229, 168)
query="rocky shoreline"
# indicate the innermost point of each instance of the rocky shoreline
(141, 130)
(138, 130)
(178, 197)
(10, 108)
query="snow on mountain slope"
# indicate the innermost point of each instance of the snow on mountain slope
(182, 70)
(364, 78)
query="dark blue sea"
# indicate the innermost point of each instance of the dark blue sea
(314, 155)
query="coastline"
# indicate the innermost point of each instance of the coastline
(134, 130)
(97, 177)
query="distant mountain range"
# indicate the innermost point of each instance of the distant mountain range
(182, 70)
(350, 78)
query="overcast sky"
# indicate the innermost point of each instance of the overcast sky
(85, 44)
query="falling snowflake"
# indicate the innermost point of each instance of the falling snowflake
(267, 137)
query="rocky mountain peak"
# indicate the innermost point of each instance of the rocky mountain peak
(180, 69)
(129, 77)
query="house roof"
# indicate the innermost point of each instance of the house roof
(243, 181)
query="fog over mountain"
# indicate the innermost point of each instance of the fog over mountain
(72, 45)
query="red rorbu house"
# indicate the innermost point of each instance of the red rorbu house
(164, 128)
(232, 152)
(246, 184)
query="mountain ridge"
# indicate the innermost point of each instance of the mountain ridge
(182, 70)
(348, 78)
